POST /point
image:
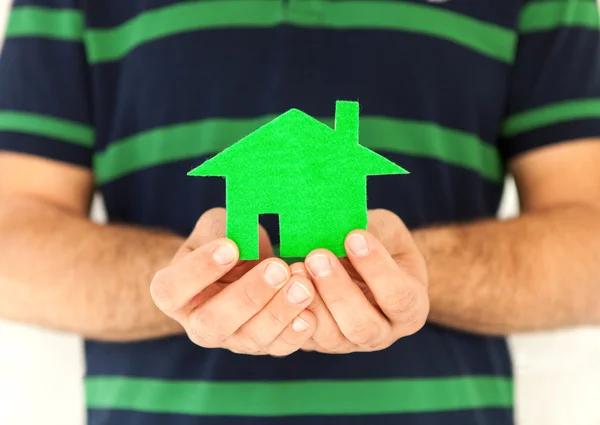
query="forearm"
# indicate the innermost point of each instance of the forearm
(65, 272)
(535, 272)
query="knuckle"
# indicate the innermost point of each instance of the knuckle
(335, 342)
(161, 290)
(364, 334)
(310, 345)
(253, 345)
(276, 318)
(240, 349)
(203, 330)
(416, 320)
(283, 348)
(401, 304)
(316, 305)
(331, 299)
(251, 298)
(253, 341)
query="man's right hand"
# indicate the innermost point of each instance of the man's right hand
(248, 307)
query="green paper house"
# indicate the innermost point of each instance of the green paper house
(312, 176)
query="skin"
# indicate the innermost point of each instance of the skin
(538, 271)
(205, 283)
(250, 307)
(534, 272)
(383, 279)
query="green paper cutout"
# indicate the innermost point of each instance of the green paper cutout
(314, 177)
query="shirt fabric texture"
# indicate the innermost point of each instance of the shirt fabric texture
(142, 91)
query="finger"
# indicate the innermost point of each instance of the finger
(222, 315)
(299, 269)
(355, 316)
(401, 297)
(213, 224)
(175, 286)
(310, 345)
(390, 230)
(262, 329)
(210, 226)
(294, 336)
(243, 266)
(328, 336)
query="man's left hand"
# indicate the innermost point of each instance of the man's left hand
(372, 298)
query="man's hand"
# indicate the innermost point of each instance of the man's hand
(249, 307)
(377, 295)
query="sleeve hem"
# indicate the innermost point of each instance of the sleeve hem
(549, 135)
(46, 148)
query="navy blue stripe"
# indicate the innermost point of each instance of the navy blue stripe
(244, 73)
(446, 194)
(46, 77)
(555, 133)
(54, 4)
(106, 14)
(432, 352)
(111, 14)
(501, 13)
(48, 148)
(553, 66)
(496, 416)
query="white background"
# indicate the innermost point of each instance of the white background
(557, 374)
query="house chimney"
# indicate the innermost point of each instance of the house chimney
(346, 119)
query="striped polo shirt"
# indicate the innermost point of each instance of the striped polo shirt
(142, 91)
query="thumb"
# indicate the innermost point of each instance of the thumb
(213, 225)
(243, 266)
(398, 241)
(210, 226)
(390, 230)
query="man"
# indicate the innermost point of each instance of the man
(127, 97)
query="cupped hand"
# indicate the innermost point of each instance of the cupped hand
(372, 298)
(249, 307)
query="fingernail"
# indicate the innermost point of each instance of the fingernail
(297, 293)
(300, 325)
(358, 244)
(275, 274)
(299, 271)
(319, 265)
(224, 254)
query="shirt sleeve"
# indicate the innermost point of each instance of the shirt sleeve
(44, 89)
(554, 93)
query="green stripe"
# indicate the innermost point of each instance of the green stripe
(549, 15)
(208, 137)
(298, 398)
(551, 114)
(46, 126)
(38, 21)
(107, 44)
